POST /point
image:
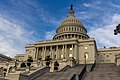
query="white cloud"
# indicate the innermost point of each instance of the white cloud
(13, 37)
(93, 4)
(49, 35)
(115, 5)
(104, 36)
(87, 5)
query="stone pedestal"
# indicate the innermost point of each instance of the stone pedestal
(72, 62)
(117, 59)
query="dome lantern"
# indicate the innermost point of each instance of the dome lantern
(71, 12)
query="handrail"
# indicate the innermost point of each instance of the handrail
(35, 74)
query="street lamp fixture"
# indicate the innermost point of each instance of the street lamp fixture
(7, 64)
(38, 61)
(16, 63)
(85, 58)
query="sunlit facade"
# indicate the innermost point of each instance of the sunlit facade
(71, 40)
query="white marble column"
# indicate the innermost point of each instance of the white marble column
(67, 36)
(42, 53)
(45, 53)
(57, 54)
(71, 36)
(75, 51)
(77, 36)
(52, 56)
(72, 50)
(36, 53)
(74, 35)
(65, 51)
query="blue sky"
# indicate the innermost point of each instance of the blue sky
(27, 21)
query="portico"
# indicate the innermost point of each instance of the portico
(58, 50)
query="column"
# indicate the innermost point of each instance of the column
(64, 37)
(52, 56)
(65, 51)
(72, 51)
(45, 53)
(81, 37)
(40, 52)
(71, 36)
(57, 55)
(67, 36)
(36, 53)
(74, 35)
(77, 36)
(75, 51)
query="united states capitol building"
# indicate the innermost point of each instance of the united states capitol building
(74, 50)
(71, 40)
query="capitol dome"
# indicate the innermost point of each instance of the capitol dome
(71, 27)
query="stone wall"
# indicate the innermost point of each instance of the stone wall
(107, 55)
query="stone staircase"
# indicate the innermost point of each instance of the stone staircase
(69, 74)
(103, 71)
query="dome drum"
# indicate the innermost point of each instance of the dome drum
(71, 29)
(70, 36)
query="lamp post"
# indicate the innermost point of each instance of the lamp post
(16, 63)
(85, 58)
(7, 64)
(4, 72)
(117, 30)
(39, 62)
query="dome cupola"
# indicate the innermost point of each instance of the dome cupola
(71, 27)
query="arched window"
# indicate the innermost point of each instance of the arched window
(66, 28)
(75, 28)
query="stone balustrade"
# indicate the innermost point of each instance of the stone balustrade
(33, 75)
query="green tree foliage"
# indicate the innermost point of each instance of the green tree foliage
(48, 61)
(23, 65)
(56, 65)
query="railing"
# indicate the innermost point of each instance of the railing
(93, 66)
(35, 74)
(73, 77)
(65, 68)
(82, 73)
(3, 78)
(78, 76)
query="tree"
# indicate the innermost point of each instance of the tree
(29, 61)
(56, 65)
(48, 61)
(23, 65)
(16, 63)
